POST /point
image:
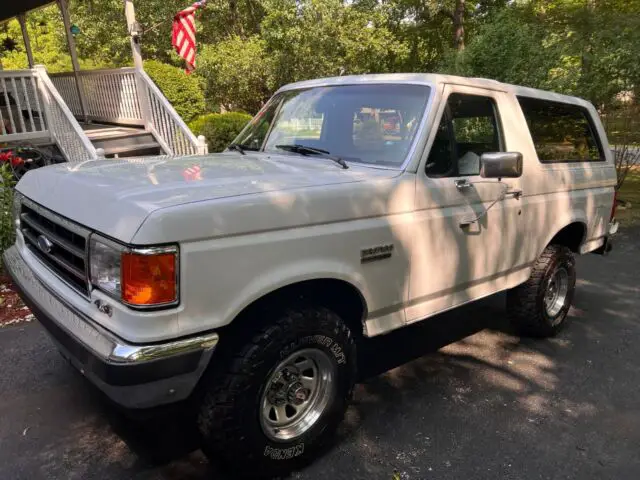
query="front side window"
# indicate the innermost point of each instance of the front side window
(469, 127)
(561, 132)
(373, 123)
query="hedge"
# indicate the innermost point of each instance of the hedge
(219, 128)
(183, 91)
(7, 228)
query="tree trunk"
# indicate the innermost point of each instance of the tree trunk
(586, 54)
(458, 25)
(236, 25)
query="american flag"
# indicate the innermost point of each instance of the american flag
(183, 37)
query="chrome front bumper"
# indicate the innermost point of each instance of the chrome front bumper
(132, 375)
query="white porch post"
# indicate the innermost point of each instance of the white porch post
(130, 13)
(25, 38)
(134, 38)
(74, 55)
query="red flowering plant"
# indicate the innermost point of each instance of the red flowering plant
(8, 157)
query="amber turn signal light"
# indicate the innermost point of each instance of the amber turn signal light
(149, 280)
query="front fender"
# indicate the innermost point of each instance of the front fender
(285, 275)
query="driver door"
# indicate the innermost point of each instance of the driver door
(453, 263)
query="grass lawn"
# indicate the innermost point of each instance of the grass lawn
(623, 126)
(630, 192)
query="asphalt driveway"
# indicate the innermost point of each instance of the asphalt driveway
(489, 406)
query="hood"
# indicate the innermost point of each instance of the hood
(114, 197)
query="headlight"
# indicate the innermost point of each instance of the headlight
(17, 206)
(105, 261)
(145, 277)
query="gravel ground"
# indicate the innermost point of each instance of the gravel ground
(490, 405)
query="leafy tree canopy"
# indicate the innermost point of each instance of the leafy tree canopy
(248, 48)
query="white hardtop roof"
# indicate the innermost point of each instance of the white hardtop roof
(433, 79)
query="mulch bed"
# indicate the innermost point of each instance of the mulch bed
(12, 310)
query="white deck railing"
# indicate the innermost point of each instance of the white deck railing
(126, 96)
(165, 123)
(63, 126)
(31, 109)
(21, 106)
(111, 95)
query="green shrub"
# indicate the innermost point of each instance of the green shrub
(219, 128)
(183, 91)
(7, 229)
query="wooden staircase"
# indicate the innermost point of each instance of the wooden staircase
(119, 141)
(122, 113)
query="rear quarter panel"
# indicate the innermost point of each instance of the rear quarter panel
(558, 194)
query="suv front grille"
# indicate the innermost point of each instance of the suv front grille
(60, 244)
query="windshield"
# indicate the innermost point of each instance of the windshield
(373, 123)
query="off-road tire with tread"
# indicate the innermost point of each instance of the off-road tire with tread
(525, 303)
(229, 411)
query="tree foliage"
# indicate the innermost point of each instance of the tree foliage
(184, 92)
(238, 72)
(316, 38)
(580, 47)
(48, 43)
(514, 48)
(248, 48)
(219, 128)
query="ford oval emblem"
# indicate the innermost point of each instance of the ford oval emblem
(44, 244)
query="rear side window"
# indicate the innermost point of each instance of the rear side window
(561, 132)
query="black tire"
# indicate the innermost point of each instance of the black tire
(230, 412)
(526, 302)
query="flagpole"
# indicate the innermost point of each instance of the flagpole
(134, 36)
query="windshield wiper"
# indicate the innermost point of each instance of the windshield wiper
(305, 150)
(237, 147)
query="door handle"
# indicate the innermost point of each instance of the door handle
(514, 193)
(463, 184)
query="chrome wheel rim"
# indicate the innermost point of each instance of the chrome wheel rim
(556, 293)
(297, 394)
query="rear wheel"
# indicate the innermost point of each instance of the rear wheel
(282, 395)
(539, 307)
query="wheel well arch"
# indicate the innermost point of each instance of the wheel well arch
(572, 236)
(340, 296)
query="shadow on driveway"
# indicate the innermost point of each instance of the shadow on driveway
(457, 396)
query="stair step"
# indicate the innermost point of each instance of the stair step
(130, 150)
(121, 141)
(127, 141)
(113, 133)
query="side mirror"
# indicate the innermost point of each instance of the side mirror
(501, 165)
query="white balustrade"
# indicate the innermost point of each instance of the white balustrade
(63, 126)
(111, 95)
(21, 106)
(168, 127)
(114, 96)
(36, 105)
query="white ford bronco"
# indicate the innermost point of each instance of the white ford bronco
(242, 282)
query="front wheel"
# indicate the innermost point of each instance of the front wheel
(539, 307)
(283, 395)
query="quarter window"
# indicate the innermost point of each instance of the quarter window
(469, 127)
(561, 132)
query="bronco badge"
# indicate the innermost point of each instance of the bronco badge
(376, 253)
